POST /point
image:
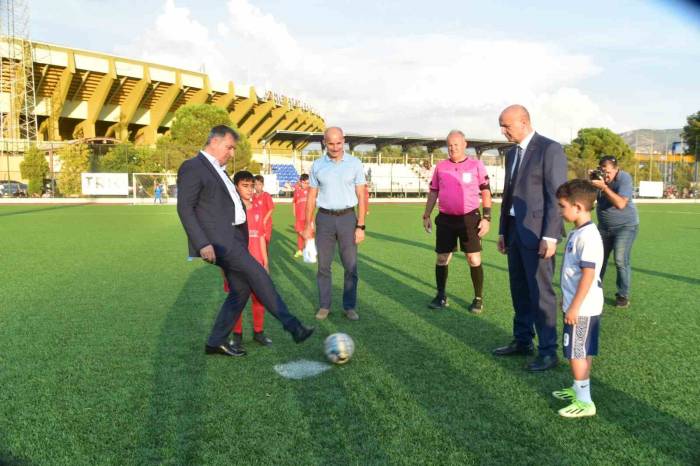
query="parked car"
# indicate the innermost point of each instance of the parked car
(13, 189)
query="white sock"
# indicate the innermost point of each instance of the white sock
(583, 390)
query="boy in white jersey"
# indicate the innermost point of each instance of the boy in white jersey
(582, 294)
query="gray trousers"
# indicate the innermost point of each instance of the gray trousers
(329, 230)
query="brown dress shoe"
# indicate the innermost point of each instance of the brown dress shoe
(351, 314)
(322, 313)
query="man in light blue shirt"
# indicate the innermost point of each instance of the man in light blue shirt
(337, 184)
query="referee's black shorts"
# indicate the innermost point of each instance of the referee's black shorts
(453, 229)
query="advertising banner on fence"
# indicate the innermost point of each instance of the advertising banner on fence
(651, 189)
(105, 184)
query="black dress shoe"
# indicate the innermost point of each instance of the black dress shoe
(225, 350)
(514, 348)
(301, 333)
(543, 363)
(261, 338)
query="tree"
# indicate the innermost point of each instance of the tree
(683, 174)
(75, 159)
(189, 132)
(34, 167)
(592, 143)
(691, 134)
(243, 159)
(127, 158)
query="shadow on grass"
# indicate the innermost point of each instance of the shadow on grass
(662, 431)
(397, 239)
(173, 427)
(42, 209)
(8, 459)
(348, 409)
(328, 410)
(668, 276)
(375, 416)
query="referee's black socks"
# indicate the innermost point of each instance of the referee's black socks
(441, 279)
(478, 280)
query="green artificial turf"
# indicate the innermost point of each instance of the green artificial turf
(103, 323)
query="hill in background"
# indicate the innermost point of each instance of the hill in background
(644, 141)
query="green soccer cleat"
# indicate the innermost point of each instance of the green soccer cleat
(298, 254)
(566, 394)
(578, 409)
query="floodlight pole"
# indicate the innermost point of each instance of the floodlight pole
(696, 161)
(651, 158)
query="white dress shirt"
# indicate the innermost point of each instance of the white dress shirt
(523, 148)
(238, 204)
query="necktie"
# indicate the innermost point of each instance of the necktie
(513, 178)
(518, 159)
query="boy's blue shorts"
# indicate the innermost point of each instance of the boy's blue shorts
(581, 340)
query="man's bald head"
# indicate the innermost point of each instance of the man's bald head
(515, 123)
(519, 112)
(333, 130)
(334, 140)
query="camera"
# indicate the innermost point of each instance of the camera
(597, 174)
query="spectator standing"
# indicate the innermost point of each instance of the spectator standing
(158, 194)
(244, 181)
(528, 232)
(618, 222)
(264, 200)
(337, 185)
(582, 295)
(301, 194)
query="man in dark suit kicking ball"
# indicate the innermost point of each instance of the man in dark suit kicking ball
(529, 230)
(215, 222)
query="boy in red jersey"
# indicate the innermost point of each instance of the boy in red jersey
(301, 192)
(264, 199)
(257, 246)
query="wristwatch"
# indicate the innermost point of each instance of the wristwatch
(361, 227)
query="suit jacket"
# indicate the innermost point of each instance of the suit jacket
(542, 170)
(206, 209)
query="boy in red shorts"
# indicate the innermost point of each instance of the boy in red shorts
(264, 199)
(257, 246)
(301, 193)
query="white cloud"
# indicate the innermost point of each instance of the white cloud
(421, 83)
(176, 39)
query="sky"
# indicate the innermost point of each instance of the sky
(418, 67)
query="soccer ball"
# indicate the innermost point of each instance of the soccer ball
(339, 348)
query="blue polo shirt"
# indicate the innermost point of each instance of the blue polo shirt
(609, 216)
(336, 181)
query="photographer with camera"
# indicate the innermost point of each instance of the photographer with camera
(618, 221)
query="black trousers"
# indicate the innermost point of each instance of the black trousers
(244, 274)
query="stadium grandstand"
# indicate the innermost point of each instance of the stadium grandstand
(87, 95)
(402, 176)
(77, 95)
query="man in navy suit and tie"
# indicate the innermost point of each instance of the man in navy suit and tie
(530, 227)
(214, 219)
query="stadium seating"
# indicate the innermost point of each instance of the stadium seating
(286, 173)
(395, 178)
